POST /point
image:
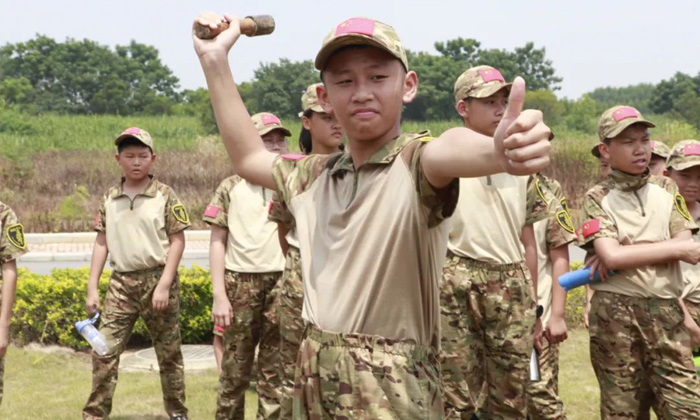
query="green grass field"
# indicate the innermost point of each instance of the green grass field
(55, 386)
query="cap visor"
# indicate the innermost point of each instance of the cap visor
(685, 165)
(488, 90)
(595, 151)
(343, 41)
(128, 136)
(626, 123)
(266, 130)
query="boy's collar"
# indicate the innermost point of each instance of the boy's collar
(150, 190)
(384, 156)
(628, 182)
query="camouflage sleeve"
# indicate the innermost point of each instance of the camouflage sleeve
(13, 244)
(560, 228)
(176, 217)
(279, 213)
(597, 222)
(537, 202)
(438, 203)
(100, 224)
(293, 174)
(681, 218)
(216, 212)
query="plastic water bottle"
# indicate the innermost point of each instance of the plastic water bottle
(574, 279)
(97, 340)
(535, 367)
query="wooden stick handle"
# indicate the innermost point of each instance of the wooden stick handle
(250, 26)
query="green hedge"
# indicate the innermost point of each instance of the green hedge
(47, 306)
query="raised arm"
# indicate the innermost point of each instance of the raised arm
(520, 146)
(245, 148)
(616, 256)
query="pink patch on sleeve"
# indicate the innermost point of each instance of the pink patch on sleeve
(356, 26)
(491, 75)
(132, 130)
(269, 208)
(591, 227)
(692, 150)
(211, 211)
(97, 220)
(293, 157)
(625, 112)
(268, 119)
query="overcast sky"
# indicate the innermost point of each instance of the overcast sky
(591, 43)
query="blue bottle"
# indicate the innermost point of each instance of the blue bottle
(97, 340)
(574, 279)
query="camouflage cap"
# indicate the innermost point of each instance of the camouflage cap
(479, 82)
(265, 122)
(361, 31)
(685, 154)
(616, 119)
(309, 100)
(660, 149)
(135, 133)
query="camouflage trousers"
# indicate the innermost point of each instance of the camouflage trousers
(358, 376)
(290, 299)
(254, 324)
(488, 317)
(543, 396)
(640, 341)
(129, 295)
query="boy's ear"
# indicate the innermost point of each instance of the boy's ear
(323, 98)
(153, 157)
(410, 87)
(117, 156)
(305, 122)
(604, 151)
(666, 173)
(461, 108)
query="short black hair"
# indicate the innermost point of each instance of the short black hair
(305, 143)
(131, 141)
(356, 47)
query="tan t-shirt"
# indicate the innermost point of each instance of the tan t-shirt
(550, 233)
(279, 213)
(12, 242)
(138, 230)
(691, 277)
(252, 245)
(636, 210)
(373, 240)
(491, 214)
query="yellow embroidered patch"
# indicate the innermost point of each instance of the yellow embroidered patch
(564, 220)
(181, 214)
(539, 191)
(15, 234)
(681, 207)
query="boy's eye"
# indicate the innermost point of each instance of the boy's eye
(343, 82)
(379, 77)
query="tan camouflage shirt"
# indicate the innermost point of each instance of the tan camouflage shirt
(633, 210)
(550, 233)
(252, 245)
(12, 243)
(691, 277)
(372, 240)
(138, 230)
(279, 213)
(491, 214)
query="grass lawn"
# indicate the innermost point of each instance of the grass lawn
(55, 386)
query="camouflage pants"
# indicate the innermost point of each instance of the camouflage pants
(635, 341)
(290, 298)
(357, 376)
(252, 300)
(543, 396)
(129, 295)
(488, 319)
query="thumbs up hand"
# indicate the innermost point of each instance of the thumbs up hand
(522, 140)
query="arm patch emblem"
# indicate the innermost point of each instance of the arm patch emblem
(15, 234)
(180, 214)
(564, 220)
(564, 204)
(539, 191)
(591, 227)
(681, 207)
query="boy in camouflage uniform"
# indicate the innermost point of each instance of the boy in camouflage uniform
(141, 225)
(488, 300)
(246, 264)
(12, 246)
(553, 236)
(370, 221)
(324, 135)
(638, 225)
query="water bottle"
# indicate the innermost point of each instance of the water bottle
(97, 340)
(535, 367)
(574, 279)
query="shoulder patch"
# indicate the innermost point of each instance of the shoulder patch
(15, 234)
(180, 213)
(591, 227)
(565, 204)
(681, 207)
(427, 139)
(293, 157)
(539, 190)
(564, 220)
(211, 211)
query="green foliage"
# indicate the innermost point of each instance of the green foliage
(278, 87)
(583, 115)
(547, 102)
(47, 307)
(638, 96)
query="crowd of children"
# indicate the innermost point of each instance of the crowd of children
(397, 275)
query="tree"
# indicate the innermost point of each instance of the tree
(278, 87)
(638, 96)
(547, 102)
(582, 115)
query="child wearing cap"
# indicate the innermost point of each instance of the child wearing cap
(246, 263)
(683, 167)
(321, 134)
(141, 225)
(487, 299)
(553, 236)
(12, 246)
(659, 154)
(370, 221)
(638, 225)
